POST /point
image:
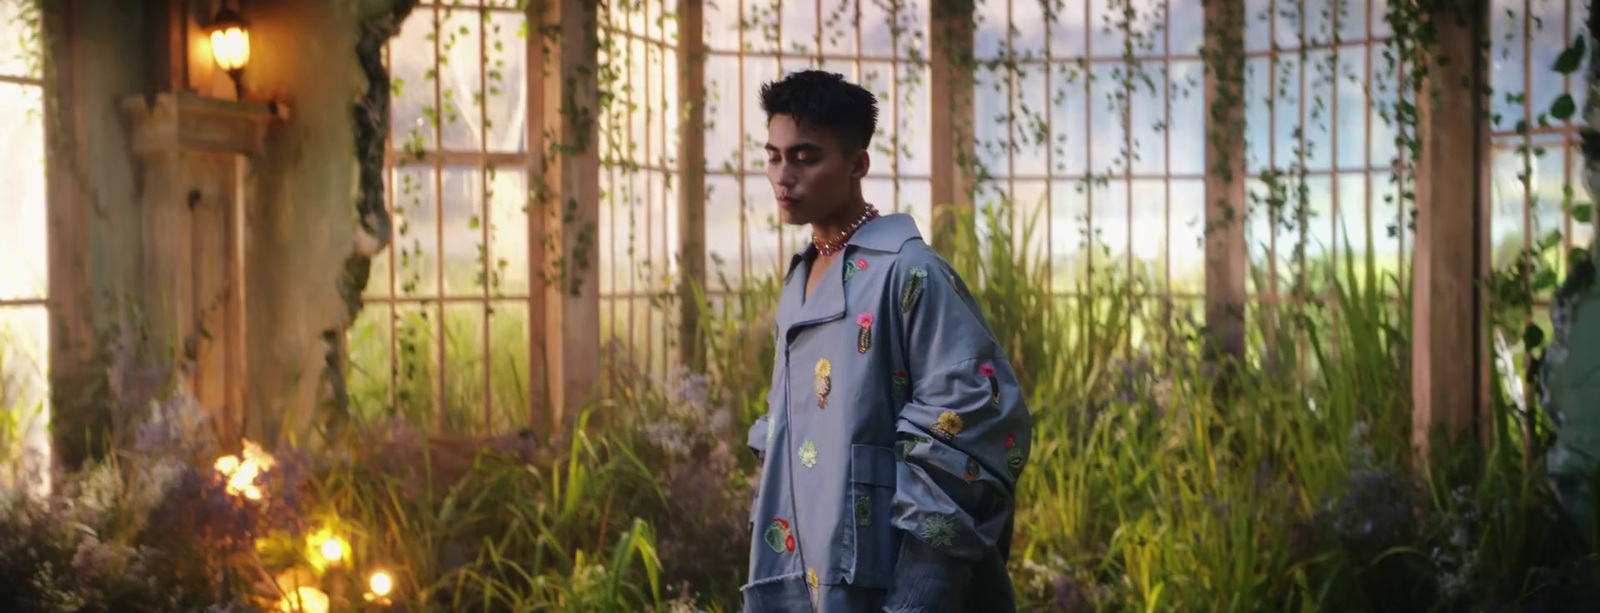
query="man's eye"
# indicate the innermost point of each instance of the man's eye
(772, 160)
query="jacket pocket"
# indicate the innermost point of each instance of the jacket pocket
(872, 483)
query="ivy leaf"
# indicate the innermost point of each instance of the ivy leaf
(1583, 213)
(1569, 59)
(1563, 108)
(1545, 280)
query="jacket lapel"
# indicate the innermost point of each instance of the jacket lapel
(825, 304)
(827, 301)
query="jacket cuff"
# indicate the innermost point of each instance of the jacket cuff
(926, 579)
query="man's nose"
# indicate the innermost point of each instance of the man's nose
(786, 175)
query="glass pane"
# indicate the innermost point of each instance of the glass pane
(1069, 128)
(800, 27)
(723, 102)
(414, 82)
(508, 232)
(1351, 117)
(1068, 234)
(416, 242)
(1186, 27)
(464, 272)
(1147, 117)
(25, 388)
(1031, 128)
(912, 109)
(991, 111)
(1109, 222)
(839, 24)
(1286, 112)
(1508, 192)
(721, 27)
(507, 100)
(724, 227)
(1352, 18)
(416, 361)
(1028, 29)
(461, 93)
(464, 398)
(371, 364)
(1106, 117)
(19, 39)
(1188, 228)
(25, 273)
(1319, 74)
(1187, 129)
(916, 200)
(509, 375)
(380, 283)
(1150, 241)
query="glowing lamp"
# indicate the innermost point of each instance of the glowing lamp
(230, 45)
(381, 584)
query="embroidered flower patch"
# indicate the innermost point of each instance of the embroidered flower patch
(853, 267)
(939, 531)
(902, 388)
(808, 454)
(824, 383)
(1014, 459)
(973, 471)
(908, 444)
(863, 511)
(948, 425)
(987, 370)
(811, 578)
(779, 537)
(913, 290)
(864, 341)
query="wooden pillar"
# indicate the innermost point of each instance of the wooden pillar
(951, 83)
(692, 178)
(1448, 345)
(194, 160)
(566, 214)
(1226, 252)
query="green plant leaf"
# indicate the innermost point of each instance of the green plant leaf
(1532, 337)
(1570, 58)
(1583, 213)
(1563, 107)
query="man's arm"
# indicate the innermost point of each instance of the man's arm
(964, 433)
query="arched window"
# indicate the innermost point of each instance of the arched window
(24, 262)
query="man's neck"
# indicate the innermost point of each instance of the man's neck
(829, 229)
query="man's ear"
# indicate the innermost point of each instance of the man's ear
(860, 165)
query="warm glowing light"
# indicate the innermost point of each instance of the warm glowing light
(241, 474)
(231, 47)
(332, 550)
(305, 600)
(381, 584)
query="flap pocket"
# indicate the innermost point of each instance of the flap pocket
(872, 465)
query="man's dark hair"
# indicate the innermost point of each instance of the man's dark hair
(827, 100)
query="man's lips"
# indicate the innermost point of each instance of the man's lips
(787, 202)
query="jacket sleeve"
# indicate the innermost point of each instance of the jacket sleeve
(964, 436)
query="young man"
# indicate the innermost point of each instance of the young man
(895, 429)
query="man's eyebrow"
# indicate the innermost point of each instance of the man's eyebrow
(798, 148)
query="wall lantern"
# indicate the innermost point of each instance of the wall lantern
(230, 45)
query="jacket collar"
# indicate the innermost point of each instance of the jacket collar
(828, 300)
(887, 233)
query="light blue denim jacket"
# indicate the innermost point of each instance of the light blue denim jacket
(893, 413)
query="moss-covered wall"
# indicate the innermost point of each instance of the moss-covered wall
(301, 223)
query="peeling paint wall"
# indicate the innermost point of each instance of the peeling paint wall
(300, 226)
(300, 223)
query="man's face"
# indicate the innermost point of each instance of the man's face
(812, 176)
